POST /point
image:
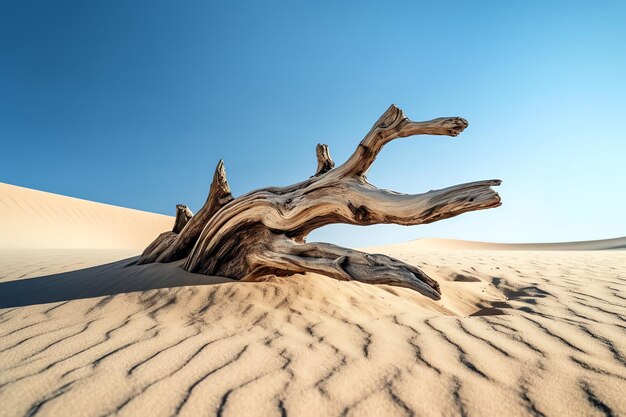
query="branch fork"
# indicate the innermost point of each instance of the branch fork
(264, 232)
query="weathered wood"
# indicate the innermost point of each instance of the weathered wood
(264, 232)
(219, 196)
(181, 244)
(183, 215)
(158, 246)
(393, 124)
(286, 257)
(324, 162)
(164, 241)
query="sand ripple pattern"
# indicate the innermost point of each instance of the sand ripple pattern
(547, 338)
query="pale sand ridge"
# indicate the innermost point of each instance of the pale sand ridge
(452, 244)
(37, 219)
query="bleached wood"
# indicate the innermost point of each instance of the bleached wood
(219, 196)
(324, 162)
(287, 257)
(264, 232)
(181, 244)
(393, 124)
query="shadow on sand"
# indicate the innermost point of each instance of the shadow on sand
(108, 279)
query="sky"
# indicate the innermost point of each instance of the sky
(133, 103)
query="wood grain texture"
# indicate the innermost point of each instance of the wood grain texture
(259, 233)
(175, 245)
(324, 162)
(183, 215)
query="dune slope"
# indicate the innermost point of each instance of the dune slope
(37, 219)
(452, 244)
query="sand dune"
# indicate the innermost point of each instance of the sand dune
(453, 244)
(87, 333)
(37, 219)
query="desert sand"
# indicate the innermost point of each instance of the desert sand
(520, 329)
(31, 219)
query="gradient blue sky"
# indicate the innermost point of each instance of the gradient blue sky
(132, 103)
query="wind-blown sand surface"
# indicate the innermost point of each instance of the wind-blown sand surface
(37, 219)
(451, 244)
(516, 333)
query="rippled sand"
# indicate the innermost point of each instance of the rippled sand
(516, 333)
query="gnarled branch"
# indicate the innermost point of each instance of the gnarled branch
(286, 257)
(263, 232)
(393, 124)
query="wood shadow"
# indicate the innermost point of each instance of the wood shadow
(108, 279)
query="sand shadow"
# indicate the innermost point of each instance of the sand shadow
(108, 279)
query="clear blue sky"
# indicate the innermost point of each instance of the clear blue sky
(133, 103)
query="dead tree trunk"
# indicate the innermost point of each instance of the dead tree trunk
(263, 232)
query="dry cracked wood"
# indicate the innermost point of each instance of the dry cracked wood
(263, 232)
(183, 215)
(181, 240)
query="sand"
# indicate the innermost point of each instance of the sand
(36, 219)
(430, 244)
(517, 332)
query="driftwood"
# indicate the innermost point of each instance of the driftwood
(180, 244)
(183, 215)
(164, 240)
(263, 232)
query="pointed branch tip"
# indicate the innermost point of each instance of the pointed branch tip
(324, 161)
(183, 215)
